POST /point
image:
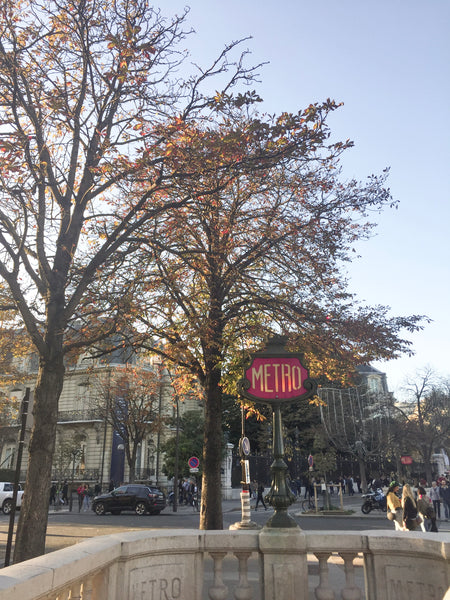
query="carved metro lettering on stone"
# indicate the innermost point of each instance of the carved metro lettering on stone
(413, 590)
(157, 589)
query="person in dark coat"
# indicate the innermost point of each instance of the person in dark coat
(259, 497)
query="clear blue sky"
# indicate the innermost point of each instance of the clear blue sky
(389, 62)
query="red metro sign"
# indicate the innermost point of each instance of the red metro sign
(276, 375)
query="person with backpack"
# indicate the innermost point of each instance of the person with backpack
(426, 510)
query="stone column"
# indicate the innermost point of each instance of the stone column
(284, 564)
(227, 464)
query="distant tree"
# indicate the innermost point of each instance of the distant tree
(356, 422)
(128, 401)
(190, 443)
(425, 426)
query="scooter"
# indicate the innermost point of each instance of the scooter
(374, 500)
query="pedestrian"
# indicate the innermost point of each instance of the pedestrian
(426, 510)
(445, 495)
(65, 492)
(394, 506)
(86, 497)
(349, 483)
(435, 496)
(80, 496)
(53, 494)
(259, 497)
(411, 520)
(111, 485)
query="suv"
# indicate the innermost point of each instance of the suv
(6, 494)
(140, 498)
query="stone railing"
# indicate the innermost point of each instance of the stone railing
(269, 564)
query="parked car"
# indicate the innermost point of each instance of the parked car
(140, 498)
(6, 494)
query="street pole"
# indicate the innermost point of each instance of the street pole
(245, 522)
(175, 470)
(25, 403)
(280, 495)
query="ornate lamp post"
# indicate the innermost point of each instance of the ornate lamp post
(277, 377)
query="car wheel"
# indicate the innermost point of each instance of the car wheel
(7, 506)
(140, 508)
(99, 508)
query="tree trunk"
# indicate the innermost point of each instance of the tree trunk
(32, 525)
(426, 453)
(211, 506)
(362, 474)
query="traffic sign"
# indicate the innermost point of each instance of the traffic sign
(193, 462)
(245, 444)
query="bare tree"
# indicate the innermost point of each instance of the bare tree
(128, 401)
(356, 421)
(426, 416)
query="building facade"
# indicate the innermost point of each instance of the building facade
(88, 447)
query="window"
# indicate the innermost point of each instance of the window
(8, 457)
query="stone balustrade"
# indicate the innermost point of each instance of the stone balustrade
(267, 564)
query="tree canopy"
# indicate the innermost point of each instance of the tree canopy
(95, 123)
(261, 255)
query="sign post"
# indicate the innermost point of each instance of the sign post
(277, 377)
(244, 451)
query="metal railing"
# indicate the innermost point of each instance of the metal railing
(65, 416)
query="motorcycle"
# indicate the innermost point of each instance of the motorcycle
(374, 500)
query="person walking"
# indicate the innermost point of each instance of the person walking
(435, 496)
(411, 520)
(53, 494)
(394, 505)
(80, 496)
(86, 497)
(259, 497)
(426, 510)
(445, 495)
(65, 492)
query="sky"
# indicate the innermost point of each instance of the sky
(389, 63)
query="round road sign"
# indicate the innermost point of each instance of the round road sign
(246, 446)
(193, 462)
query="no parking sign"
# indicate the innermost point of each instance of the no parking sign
(193, 463)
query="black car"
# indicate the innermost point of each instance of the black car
(140, 498)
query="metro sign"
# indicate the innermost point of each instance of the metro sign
(276, 375)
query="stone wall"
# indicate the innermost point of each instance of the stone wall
(268, 564)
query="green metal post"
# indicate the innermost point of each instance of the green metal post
(280, 495)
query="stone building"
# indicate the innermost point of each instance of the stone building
(87, 447)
